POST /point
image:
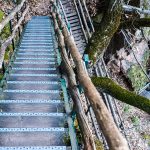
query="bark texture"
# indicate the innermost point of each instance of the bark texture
(103, 34)
(114, 139)
(110, 87)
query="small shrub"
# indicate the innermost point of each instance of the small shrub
(66, 139)
(99, 145)
(126, 108)
(135, 120)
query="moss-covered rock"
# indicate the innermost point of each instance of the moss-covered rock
(109, 86)
(136, 74)
(137, 77)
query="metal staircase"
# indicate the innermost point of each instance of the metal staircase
(34, 103)
(72, 16)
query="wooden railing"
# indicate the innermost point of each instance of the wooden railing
(15, 21)
(114, 139)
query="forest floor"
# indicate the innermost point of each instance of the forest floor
(136, 122)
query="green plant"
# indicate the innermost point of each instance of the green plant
(99, 145)
(61, 95)
(126, 108)
(1, 76)
(78, 132)
(147, 138)
(135, 120)
(6, 31)
(4, 35)
(66, 139)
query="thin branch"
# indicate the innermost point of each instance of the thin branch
(130, 8)
(135, 56)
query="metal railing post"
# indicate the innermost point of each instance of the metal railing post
(3, 67)
(13, 43)
(19, 27)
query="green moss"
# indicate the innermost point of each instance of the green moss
(1, 15)
(137, 77)
(126, 108)
(6, 31)
(78, 132)
(1, 76)
(109, 86)
(147, 138)
(135, 120)
(18, 1)
(102, 36)
(146, 57)
(4, 35)
(66, 140)
(61, 95)
(99, 145)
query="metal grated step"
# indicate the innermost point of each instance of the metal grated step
(33, 129)
(35, 148)
(33, 62)
(33, 114)
(35, 54)
(33, 58)
(37, 101)
(35, 75)
(33, 91)
(32, 108)
(33, 82)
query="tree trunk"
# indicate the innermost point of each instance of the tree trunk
(103, 34)
(85, 130)
(114, 139)
(110, 87)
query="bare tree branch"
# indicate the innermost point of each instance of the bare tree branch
(136, 23)
(130, 8)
